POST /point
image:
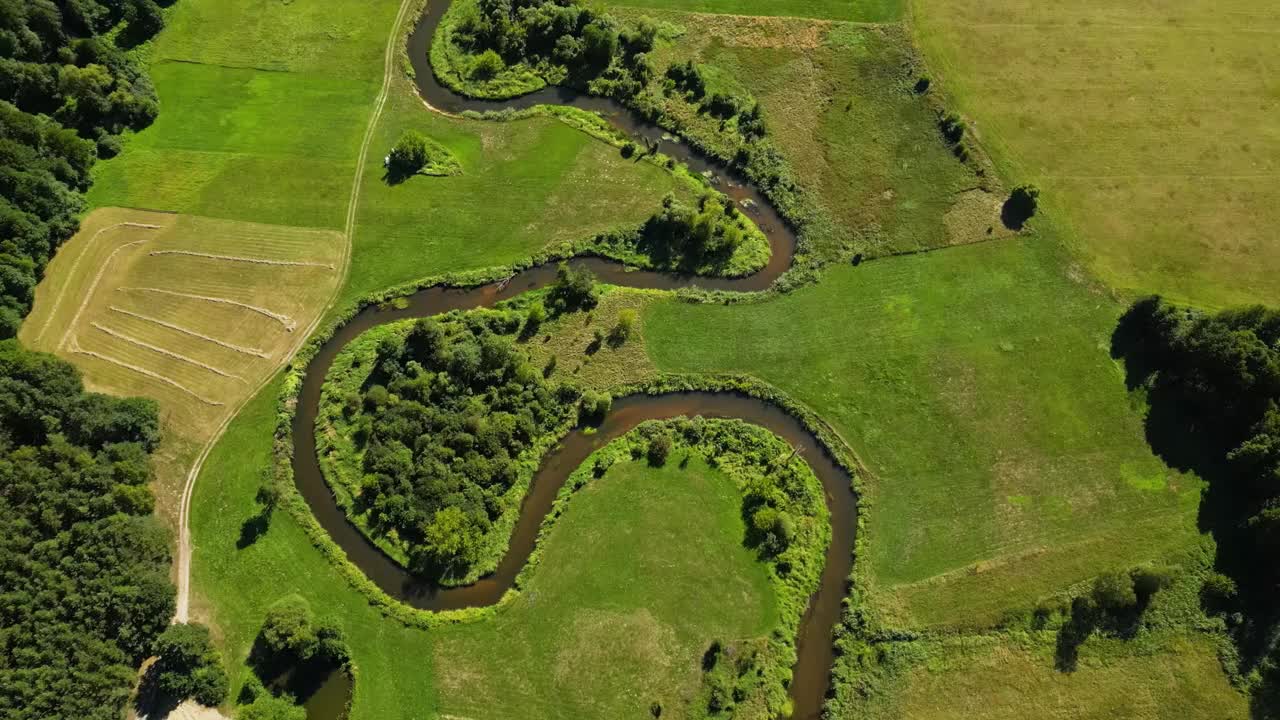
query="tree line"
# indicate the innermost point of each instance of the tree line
(84, 565)
(1213, 388)
(67, 92)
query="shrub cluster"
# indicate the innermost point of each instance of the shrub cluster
(84, 566)
(444, 419)
(293, 654)
(68, 93)
(560, 39)
(188, 666)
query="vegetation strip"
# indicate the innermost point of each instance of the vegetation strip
(141, 370)
(185, 331)
(288, 322)
(169, 353)
(238, 258)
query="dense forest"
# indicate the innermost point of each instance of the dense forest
(84, 566)
(444, 419)
(1213, 388)
(68, 88)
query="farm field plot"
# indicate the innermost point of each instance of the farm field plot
(838, 101)
(1151, 128)
(194, 312)
(855, 10)
(996, 678)
(1008, 462)
(265, 104)
(526, 185)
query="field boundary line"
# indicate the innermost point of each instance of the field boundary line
(143, 371)
(288, 322)
(243, 259)
(93, 288)
(183, 600)
(155, 348)
(186, 331)
(76, 264)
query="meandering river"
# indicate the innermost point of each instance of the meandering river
(811, 675)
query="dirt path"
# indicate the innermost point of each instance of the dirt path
(184, 511)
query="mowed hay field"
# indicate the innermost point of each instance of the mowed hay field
(526, 185)
(839, 103)
(1153, 129)
(193, 312)
(853, 10)
(263, 107)
(1008, 461)
(1171, 677)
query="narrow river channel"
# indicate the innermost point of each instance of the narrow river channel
(811, 675)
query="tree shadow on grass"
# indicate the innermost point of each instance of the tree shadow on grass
(1194, 434)
(252, 529)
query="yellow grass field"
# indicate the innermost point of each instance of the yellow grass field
(1152, 128)
(194, 312)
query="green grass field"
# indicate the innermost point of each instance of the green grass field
(621, 606)
(855, 10)
(235, 586)
(1151, 128)
(623, 588)
(976, 384)
(261, 119)
(838, 102)
(1009, 678)
(526, 185)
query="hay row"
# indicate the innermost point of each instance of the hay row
(186, 331)
(75, 348)
(93, 288)
(169, 353)
(76, 265)
(243, 259)
(288, 322)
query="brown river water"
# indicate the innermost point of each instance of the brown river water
(811, 675)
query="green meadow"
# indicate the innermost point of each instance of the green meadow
(855, 10)
(967, 368)
(526, 186)
(1007, 461)
(1151, 129)
(261, 120)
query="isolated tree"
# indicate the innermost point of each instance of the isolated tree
(1020, 207)
(573, 290)
(1114, 591)
(624, 328)
(410, 153)
(659, 449)
(189, 666)
(288, 632)
(487, 65)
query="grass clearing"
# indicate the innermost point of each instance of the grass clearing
(838, 102)
(1151, 129)
(870, 11)
(541, 183)
(975, 382)
(1007, 677)
(264, 106)
(621, 606)
(194, 312)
